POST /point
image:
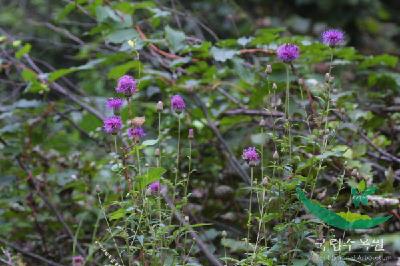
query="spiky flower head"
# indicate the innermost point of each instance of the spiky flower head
(114, 103)
(332, 37)
(155, 187)
(136, 133)
(78, 261)
(126, 85)
(112, 125)
(251, 156)
(288, 52)
(177, 103)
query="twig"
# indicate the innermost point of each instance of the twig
(29, 254)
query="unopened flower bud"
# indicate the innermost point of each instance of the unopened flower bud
(268, 69)
(157, 152)
(263, 123)
(98, 189)
(224, 234)
(160, 106)
(274, 87)
(191, 133)
(187, 219)
(301, 82)
(327, 77)
(275, 156)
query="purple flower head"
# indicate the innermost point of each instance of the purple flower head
(126, 85)
(288, 52)
(114, 103)
(136, 133)
(332, 37)
(251, 156)
(155, 187)
(78, 260)
(177, 103)
(112, 125)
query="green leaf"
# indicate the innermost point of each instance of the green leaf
(24, 50)
(118, 214)
(152, 175)
(176, 39)
(149, 142)
(120, 70)
(121, 36)
(222, 55)
(337, 220)
(380, 60)
(361, 186)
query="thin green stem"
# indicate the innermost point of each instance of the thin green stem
(250, 203)
(138, 159)
(189, 168)
(159, 139)
(177, 156)
(325, 135)
(287, 112)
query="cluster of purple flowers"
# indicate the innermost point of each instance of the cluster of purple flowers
(289, 52)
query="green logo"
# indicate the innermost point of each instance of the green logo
(345, 220)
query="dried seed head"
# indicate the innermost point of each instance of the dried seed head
(160, 106)
(138, 121)
(263, 122)
(301, 82)
(268, 69)
(187, 219)
(157, 152)
(274, 87)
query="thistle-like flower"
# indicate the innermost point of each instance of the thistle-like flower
(177, 103)
(251, 156)
(114, 103)
(112, 125)
(332, 37)
(288, 52)
(136, 133)
(126, 85)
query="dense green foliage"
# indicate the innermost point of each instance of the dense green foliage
(65, 191)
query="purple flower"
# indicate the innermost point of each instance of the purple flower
(288, 52)
(77, 261)
(112, 125)
(154, 187)
(177, 103)
(136, 133)
(126, 85)
(332, 37)
(251, 156)
(114, 103)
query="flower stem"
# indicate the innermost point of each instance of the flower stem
(287, 112)
(159, 139)
(189, 167)
(177, 156)
(250, 203)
